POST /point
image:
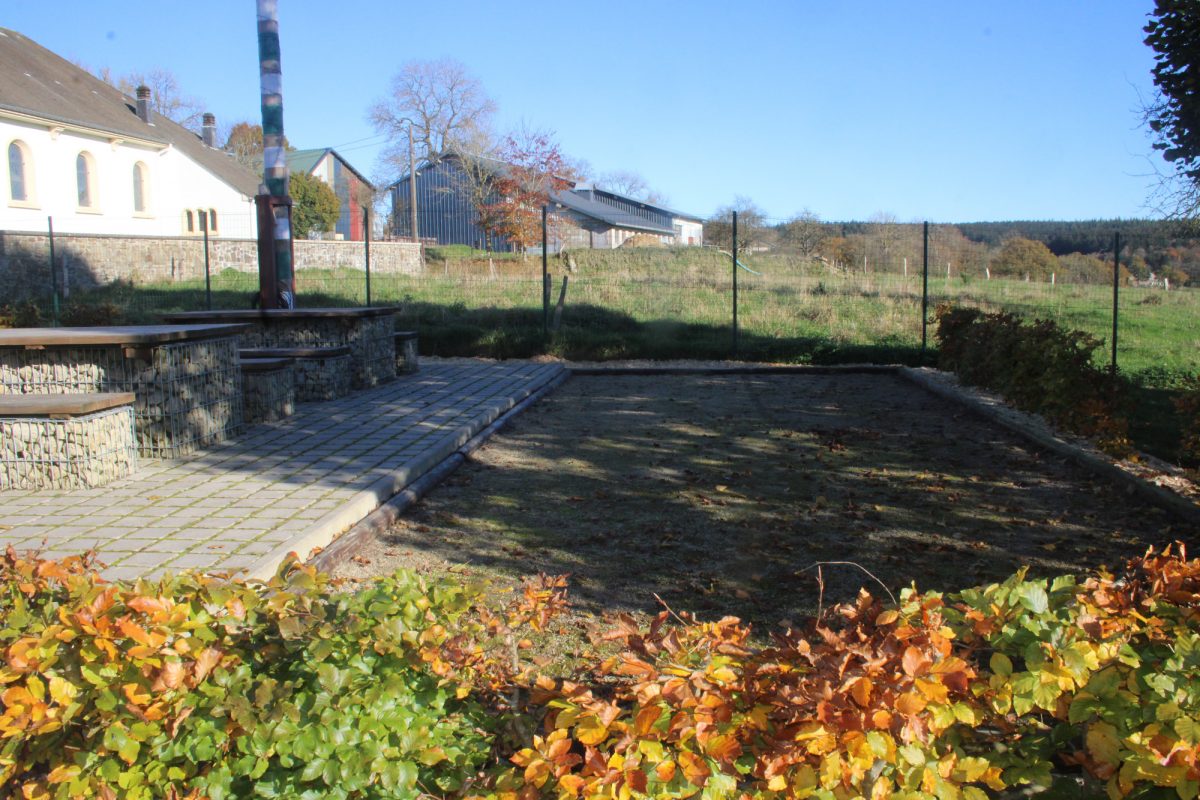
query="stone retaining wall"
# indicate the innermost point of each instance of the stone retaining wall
(188, 394)
(86, 261)
(407, 357)
(75, 453)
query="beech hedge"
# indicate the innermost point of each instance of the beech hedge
(199, 686)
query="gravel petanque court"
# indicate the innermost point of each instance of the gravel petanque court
(720, 493)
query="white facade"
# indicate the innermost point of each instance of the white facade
(688, 232)
(174, 189)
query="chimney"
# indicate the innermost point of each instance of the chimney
(208, 130)
(143, 103)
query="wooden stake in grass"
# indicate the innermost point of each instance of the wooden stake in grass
(558, 308)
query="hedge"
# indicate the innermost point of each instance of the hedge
(199, 686)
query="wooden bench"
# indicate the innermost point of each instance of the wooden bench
(406, 352)
(320, 373)
(66, 441)
(268, 388)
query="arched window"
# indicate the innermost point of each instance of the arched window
(189, 223)
(140, 173)
(85, 179)
(212, 220)
(20, 173)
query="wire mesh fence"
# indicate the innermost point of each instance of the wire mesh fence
(850, 293)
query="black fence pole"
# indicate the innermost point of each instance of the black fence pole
(207, 270)
(545, 281)
(53, 272)
(735, 287)
(925, 288)
(1116, 292)
(367, 250)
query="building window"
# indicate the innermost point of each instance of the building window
(189, 222)
(140, 171)
(85, 179)
(20, 173)
(212, 220)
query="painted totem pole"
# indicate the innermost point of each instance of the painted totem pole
(276, 278)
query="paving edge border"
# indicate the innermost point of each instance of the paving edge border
(1034, 429)
(430, 473)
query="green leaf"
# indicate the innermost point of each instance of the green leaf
(1033, 597)
(1000, 664)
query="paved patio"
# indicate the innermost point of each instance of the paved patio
(283, 486)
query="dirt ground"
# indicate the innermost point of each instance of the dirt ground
(720, 494)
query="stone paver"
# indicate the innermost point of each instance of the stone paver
(284, 486)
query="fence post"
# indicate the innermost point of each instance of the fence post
(53, 273)
(735, 287)
(207, 271)
(1116, 290)
(545, 281)
(924, 288)
(367, 250)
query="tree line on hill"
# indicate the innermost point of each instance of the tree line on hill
(1079, 251)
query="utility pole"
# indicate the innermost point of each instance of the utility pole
(276, 278)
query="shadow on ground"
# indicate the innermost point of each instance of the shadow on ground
(720, 494)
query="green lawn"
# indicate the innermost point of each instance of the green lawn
(678, 303)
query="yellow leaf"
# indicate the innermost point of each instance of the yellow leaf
(591, 730)
(63, 773)
(777, 784)
(1103, 744)
(62, 691)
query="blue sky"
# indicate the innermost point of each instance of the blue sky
(947, 111)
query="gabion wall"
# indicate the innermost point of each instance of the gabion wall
(80, 452)
(407, 360)
(270, 394)
(371, 341)
(321, 379)
(188, 394)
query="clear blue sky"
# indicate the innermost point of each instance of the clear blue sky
(951, 111)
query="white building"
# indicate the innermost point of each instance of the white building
(96, 161)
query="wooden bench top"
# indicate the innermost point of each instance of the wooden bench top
(61, 406)
(406, 334)
(267, 314)
(131, 335)
(264, 364)
(295, 352)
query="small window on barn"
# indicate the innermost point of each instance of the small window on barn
(85, 179)
(140, 187)
(20, 173)
(189, 223)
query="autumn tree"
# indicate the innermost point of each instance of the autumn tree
(446, 107)
(315, 207)
(1174, 117)
(245, 142)
(1020, 257)
(533, 169)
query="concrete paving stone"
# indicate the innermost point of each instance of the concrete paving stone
(275, 482)
(145, 558)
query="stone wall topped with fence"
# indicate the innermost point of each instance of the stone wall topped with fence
(86, 261)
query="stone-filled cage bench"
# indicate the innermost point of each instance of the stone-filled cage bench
(66, 441)
(186, 383)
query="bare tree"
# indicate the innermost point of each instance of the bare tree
(751, 231)
(443, 103)
(804, 233)
(166, 97)
(629, 183)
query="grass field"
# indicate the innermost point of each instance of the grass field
(663, 303)
(678, 303)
